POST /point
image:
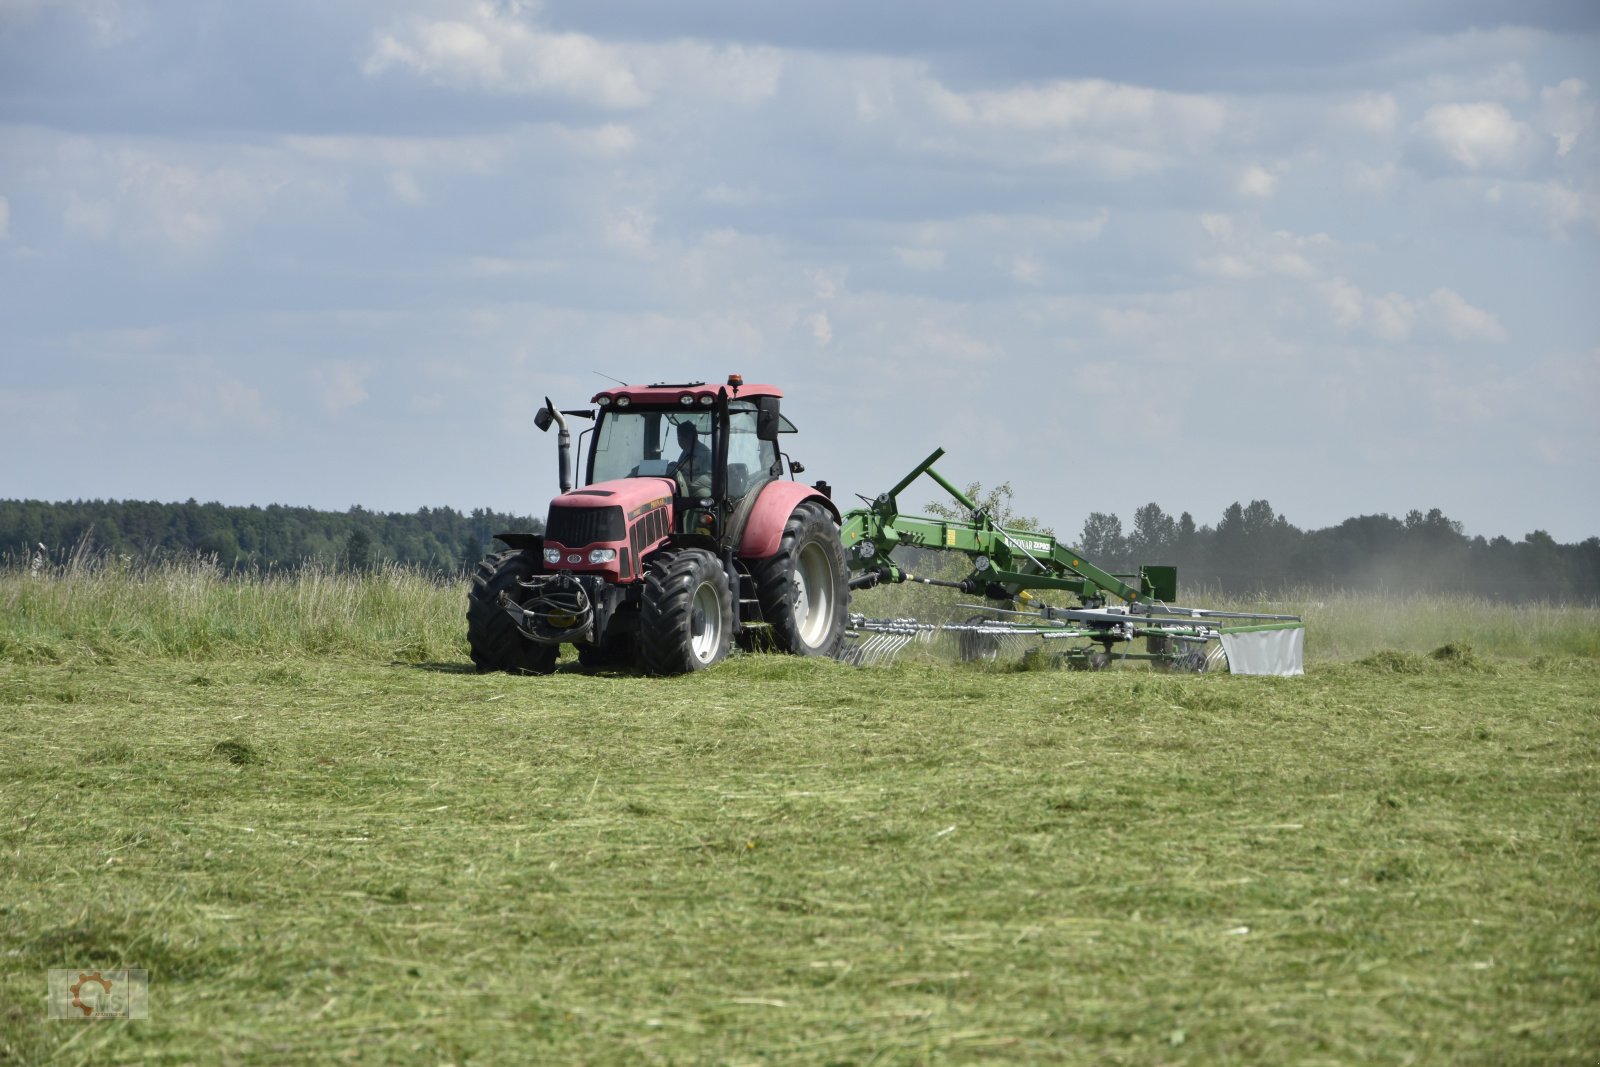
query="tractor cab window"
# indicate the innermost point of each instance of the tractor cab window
(679, 444)
(654, 444)
(752, 462)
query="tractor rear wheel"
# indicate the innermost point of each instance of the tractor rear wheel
(803, 589)
(493, 638)
(685, 613)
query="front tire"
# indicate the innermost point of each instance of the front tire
(685, 613)
(493, 639)
(803, 589)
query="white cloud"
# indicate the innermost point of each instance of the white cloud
(1259, 182)
(1373, 114)
(1566, 113)
(1103, 127)
(826, 283)
(1026, 270)
(1449, 311)
(1244, 250)
(1477, 137)
(495, 51)
(1395, 318)
(211, 406)
(5, 218)
(630, 229)
(1390, 317)
(472, 155)
(821, 328)
(109, 22)
(1496, 81)
(733, 196)
(924, 259)
(405, 188)
(341, 385)
(1369, 178)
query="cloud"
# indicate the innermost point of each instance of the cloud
(1258, 182)
(629, 229)
(1395, 318)
(1451, 313)
(496, 52)
(1476, 137)
(5, 218)
(1243, 250)
(495, 49)
(181, 196)
(1113, 129)
(921, 259)
(1566, 113)
(108, 22)
(1374, 114)
(206, 407)
(1496, 81)
(405, 188)
(821, 328)
(1374, 178)
(341, 385)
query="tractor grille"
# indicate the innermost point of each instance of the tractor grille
(576, 527)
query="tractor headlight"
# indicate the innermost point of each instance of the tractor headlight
(602, 555)
(552, 555)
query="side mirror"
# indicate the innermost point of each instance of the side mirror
(768, 422)
(543, 417)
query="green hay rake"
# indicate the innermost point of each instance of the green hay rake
(1117, 618)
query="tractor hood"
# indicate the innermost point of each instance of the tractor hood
(630, 494)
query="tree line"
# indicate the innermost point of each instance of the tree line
(1252, 549)
(442, 540)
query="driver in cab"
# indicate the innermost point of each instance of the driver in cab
(694, 459)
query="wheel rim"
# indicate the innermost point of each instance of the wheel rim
(813, 594)
(705, 623)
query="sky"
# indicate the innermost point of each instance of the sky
(1341, 257)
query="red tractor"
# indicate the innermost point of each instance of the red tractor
(685, 537)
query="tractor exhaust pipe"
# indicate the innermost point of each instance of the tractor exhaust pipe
(543, 419)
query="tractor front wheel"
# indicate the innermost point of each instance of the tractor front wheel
(685, 614)
(803, 589)
(493, 638)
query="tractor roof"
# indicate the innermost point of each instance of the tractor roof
(662, 393)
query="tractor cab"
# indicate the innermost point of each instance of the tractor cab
(716, 446)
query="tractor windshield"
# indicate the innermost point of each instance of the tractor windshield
(665, 443)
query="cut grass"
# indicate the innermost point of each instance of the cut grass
(322, 858)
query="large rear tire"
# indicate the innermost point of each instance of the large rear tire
(494, 640)
(685, 613)
(803, 589)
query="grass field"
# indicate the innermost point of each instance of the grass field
(327, 840)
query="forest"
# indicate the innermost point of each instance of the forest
(440, 540)
(1250, 549)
